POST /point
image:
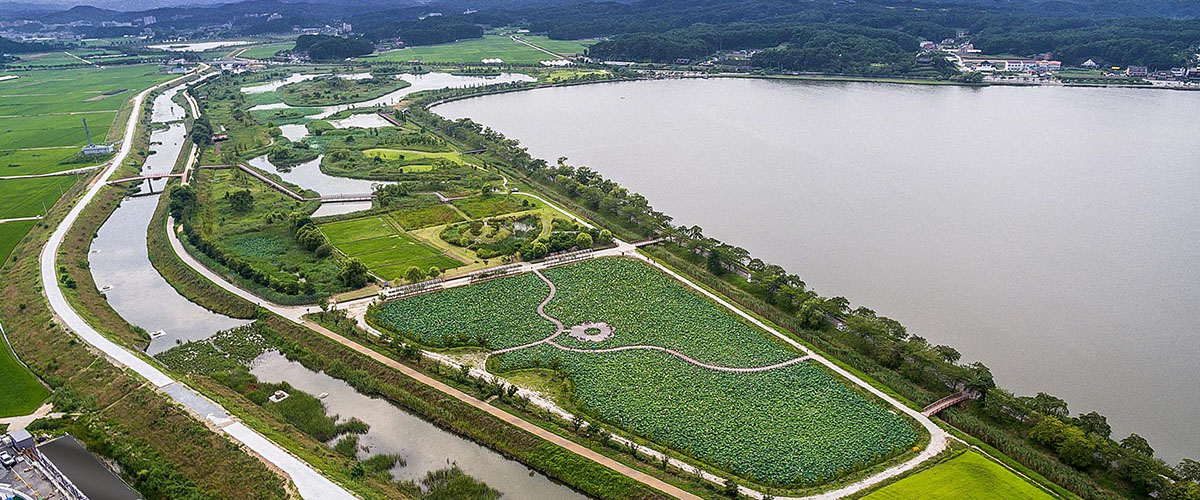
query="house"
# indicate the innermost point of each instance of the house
(1179, 72)
(928, 45)
(985, 67)
(683, 61)
(925, 58)
(1089, 64)
(1137, 71)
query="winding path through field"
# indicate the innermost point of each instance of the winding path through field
(559, 328)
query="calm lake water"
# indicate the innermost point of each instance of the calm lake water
(1052, 233)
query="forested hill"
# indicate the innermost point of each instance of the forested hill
(1156, 33)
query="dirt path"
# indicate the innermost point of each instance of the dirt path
(511, 419)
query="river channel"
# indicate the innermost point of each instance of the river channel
(1052, 233)
(424, 446)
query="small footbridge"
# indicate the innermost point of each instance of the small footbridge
(141, 178)
(946, 402)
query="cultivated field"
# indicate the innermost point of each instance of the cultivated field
(468, 52)
(266, 51)
(10, 234)
(39, 161)
(969, 476)
(28, 197)
(791, 425)
(385, 249)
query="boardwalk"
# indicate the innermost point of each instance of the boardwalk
(946, 402)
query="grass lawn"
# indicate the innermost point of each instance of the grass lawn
(26, 197)
(482, 207)
(38, 161)
(22, 391)
(383, 248)
(267, 50)
(471, 51)
(969, 476)
(10, 234)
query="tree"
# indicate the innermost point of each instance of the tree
(353, 273)
(414, 274)
(1048, 405)
(434, 271)
(1137, 443)
(731, 488)
(605, 237)
(1095, 423)
(981, 380)
(947, 353)
(811, 314)
(538, 250)
(183, 200)
(583, 240)
(1076, 449)
(241, 201)
(1189, 469)
(1143, 472)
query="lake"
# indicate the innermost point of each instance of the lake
(1052, 233)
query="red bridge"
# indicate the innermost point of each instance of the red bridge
(946, 402)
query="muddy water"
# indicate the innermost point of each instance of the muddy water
(424, 446)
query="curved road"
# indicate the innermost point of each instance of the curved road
(310, 483)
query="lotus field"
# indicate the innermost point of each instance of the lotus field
(495, 314)
(794, 425)
(790, 426)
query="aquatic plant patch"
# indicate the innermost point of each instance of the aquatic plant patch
(794, 425)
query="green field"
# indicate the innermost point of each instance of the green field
(267, 50)
(562, 47)
(386, 250)
(21, 132)
(332, 90)
(11, 234)
(789, 426)
(22, 391)
(482, 207)
(37, 93)
(28, 197)
(468, 52)
(969, 476)
(412, 160)
(426, 216)
(38, 161)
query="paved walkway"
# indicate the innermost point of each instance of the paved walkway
(310, 483)
(19, 219)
